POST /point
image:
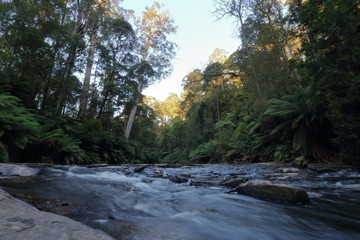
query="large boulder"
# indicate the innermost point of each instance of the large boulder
(273, 192)
(19, 221)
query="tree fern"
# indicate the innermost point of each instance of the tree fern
(297, 119)
(18, 128)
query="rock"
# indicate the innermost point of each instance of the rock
(178, 179)
(97, 165)
(169, 165)
(140, 169)
(126, 171)
(233, 183)
(354, 187)
(324, 169)
(283, 176)
(186, 175)
(205, 182)
(273, 192)
(289, 170)
(19, 220)
(11, 170)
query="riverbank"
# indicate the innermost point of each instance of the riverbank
(19, 221)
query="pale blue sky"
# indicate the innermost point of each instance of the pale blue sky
(198, 35)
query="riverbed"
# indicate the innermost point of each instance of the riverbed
(132, 202)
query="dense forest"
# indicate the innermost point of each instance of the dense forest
(72, 74)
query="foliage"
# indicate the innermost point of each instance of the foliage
(300, 162)
(72, 75)
(18, 128)
(204, 153)
(330, 43)
(294, 125)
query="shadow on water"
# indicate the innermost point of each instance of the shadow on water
(132, 206)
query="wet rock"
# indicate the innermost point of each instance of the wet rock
(147, 180)
(289, 170)
(273, 192)
(283, 176)
(353, 187)
(205, 182)
(157, 173)
(19, 220)
(15, 170)
(97, 165)
(140, 169)
(186, 175)
(178, 179)
(169, 165)
(233, 183)
(324, 169)
(126, 171)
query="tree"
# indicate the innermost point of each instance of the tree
(156, 52)
(330, 37)
(116, 56)
(27, 31)
(218, 55)
(192, 85)
(79, 13)
(167, 110)
(96, 20)
(295, 123)
(266, 46)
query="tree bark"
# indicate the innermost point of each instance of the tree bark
(86, 84)
(103, 103)
(133, 113)
(61, 94)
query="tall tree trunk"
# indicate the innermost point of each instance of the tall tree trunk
(217, 109)
(49, 79)
(86, 84)
(61, 93)
(245, 43)
(133, 112)
(102, 106)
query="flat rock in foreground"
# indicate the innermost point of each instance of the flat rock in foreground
(273, 192)
(20, 221)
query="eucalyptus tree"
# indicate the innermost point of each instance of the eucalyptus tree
(265, 45)
(192, 85)
(156, 52)
(100, 10)
(166, 111)
(59, 39)
(79, 11)
(116, 57)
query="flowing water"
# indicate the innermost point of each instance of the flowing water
(148, 206)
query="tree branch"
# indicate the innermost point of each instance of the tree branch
(221, 74)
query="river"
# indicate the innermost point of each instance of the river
(130, 203)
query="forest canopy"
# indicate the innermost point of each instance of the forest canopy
(72, 75)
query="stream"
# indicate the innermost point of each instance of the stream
(133, 203)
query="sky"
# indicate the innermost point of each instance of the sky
(198, 35)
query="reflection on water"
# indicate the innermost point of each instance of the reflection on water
(148, 207)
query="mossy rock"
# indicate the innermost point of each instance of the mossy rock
(274, 192)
